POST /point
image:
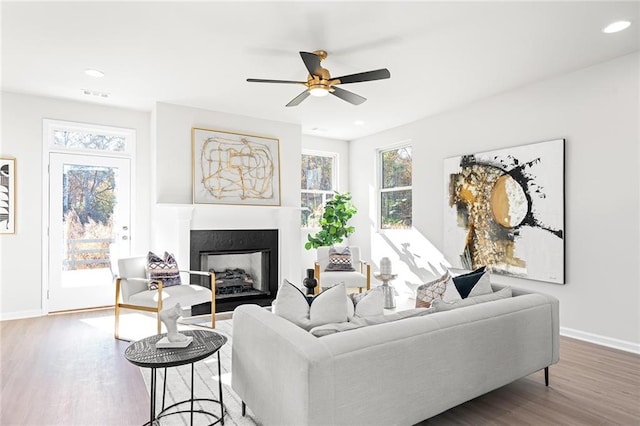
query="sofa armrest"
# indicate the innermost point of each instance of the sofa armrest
(555, 315)
(274, 357)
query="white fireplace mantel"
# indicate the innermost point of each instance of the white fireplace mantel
(173, 224)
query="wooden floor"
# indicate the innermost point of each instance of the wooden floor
(63, 370)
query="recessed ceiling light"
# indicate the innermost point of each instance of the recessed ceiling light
(615, 27)
(93, 73)
(359, 123)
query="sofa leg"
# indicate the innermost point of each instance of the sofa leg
(546, 376)
(244, 409)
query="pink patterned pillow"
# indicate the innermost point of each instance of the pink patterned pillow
(427, 293)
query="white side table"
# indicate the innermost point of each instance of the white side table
(387, 289)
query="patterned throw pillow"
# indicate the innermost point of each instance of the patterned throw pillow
(339, 261)
(427, 293)
(164, 269)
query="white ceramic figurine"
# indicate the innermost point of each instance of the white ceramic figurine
(170, 317)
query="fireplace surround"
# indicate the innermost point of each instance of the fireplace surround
(245, 262)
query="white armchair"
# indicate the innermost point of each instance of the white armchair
(360, 278)
(132, 291)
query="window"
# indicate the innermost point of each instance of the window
(318, 181)
(395, 188)
(68, 136)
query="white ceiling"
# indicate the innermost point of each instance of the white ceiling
(440, 54)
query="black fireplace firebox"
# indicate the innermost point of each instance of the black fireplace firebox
(245, 262)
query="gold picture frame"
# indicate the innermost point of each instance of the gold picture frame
(7, 195)
(234, 168)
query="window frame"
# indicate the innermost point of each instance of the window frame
(381, 190)
(334, 178)
(51, 126)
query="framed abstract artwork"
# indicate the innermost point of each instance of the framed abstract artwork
(235, 168)
(7, 195)
(504, 209)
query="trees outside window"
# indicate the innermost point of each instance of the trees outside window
(395, 188)
(318, 182)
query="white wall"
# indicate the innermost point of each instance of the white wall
(340, 147)
(21, 271)
(596, 111)
(173, 166)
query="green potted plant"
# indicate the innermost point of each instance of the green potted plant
(333, 223)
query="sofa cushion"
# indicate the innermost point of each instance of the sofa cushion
(326, 329)
(164, 269)
(187, 295)
(340, 260)
(369, 303)
(292, 304)
(426, 293)
(329, 306)
(441, 305)
(483, 286)
(450, 292)
(465, 282)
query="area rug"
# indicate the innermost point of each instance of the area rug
(205, 385)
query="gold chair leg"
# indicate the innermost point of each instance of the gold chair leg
(316, 275)
(117, 313)
(117, 330)
(160, 285)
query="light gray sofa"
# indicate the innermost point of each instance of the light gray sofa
(396, 373)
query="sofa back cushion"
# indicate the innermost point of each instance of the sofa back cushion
(329, 306)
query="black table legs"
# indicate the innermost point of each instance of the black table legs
(153, 418)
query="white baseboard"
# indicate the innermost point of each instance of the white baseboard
(21, 315)
(610, 342)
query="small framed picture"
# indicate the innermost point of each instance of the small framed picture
(7, 195)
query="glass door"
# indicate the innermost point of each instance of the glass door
(89, 221)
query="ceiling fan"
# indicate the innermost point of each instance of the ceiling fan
(320, 83)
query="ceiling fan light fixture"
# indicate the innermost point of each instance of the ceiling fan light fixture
(615, 27)
(318, 91)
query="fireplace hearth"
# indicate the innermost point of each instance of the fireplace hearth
(245, 263)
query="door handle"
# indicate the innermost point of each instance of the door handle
(124, 237)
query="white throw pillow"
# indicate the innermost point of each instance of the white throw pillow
(368, 304)
(329, 306)
(351, 309)
(483, 286)
(450, 293)
(292, 304)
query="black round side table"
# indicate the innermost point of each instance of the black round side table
(143, 353)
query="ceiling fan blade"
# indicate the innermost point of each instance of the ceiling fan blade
(380, 74)
(312, 62)
(301, 97)
(260, 80)
(350, 97)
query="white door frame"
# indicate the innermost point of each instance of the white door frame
(48, 127)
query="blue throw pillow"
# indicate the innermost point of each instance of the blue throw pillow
(465, 282)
